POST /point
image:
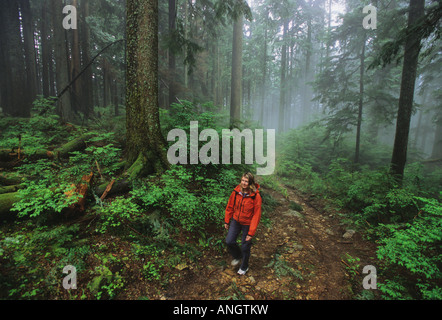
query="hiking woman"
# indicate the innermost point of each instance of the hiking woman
(243, 213)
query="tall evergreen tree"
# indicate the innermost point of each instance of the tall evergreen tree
(411, 56)
(64, 107)
(236, 82)
(146, 147)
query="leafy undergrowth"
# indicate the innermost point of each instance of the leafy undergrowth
(127, 244)
(108, 266)
(163, 231)
(123, 246)
(405, 220)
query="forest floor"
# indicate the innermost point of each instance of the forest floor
(298, 255)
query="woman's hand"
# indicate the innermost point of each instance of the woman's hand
(248, 238)
(226, 226)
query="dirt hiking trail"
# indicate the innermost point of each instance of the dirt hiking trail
(300, 255)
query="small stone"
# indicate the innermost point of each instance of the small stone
(181, 266)
(349, 234)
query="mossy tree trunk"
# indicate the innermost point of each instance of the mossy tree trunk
(146, 148)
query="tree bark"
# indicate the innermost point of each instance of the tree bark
(437, 144)
(361, 101)
(264, 70)
(282, 96)
(411, 55)
(61, 61)
(29, 50)
(307, 93)
(144, 138)
(46, 50)
(87, 92)
(172, 59)
(13, 68)
(236, 83)
(75, 66)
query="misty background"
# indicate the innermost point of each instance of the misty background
(301, 64)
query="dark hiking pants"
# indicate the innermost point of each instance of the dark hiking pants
(236, 252)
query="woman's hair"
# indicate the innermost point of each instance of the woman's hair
(251, 178)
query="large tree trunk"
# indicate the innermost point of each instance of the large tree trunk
(264, 71)
(437, 144)
(283, 86)
(4, 65)
(61, 61)
(146, 147)
(172, 59)
(107, 81)
(306, 92)
(87, 86)
(186, 19)
(75, 67)
(236, 83)
(361, 101)
(29, 50)
(13, 69)
(411, 55)
(46, 50)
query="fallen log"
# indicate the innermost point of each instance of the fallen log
(82, 190)
(118, 187)
(10, 189)
(108, 189)
(6, 202)
(77, 144)
(430, 161)
(9, 180)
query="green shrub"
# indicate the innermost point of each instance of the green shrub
(105, 284)
(23, 253)
(416, 247)
(43, 192)
(191, 200)
(36, 133)
(120, 210)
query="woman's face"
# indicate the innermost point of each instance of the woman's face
(244, 183)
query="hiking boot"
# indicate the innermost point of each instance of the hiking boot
(235, 262)
(242, 272)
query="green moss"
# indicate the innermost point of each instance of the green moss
(6, 202)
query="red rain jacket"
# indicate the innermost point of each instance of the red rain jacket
(245, 210)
